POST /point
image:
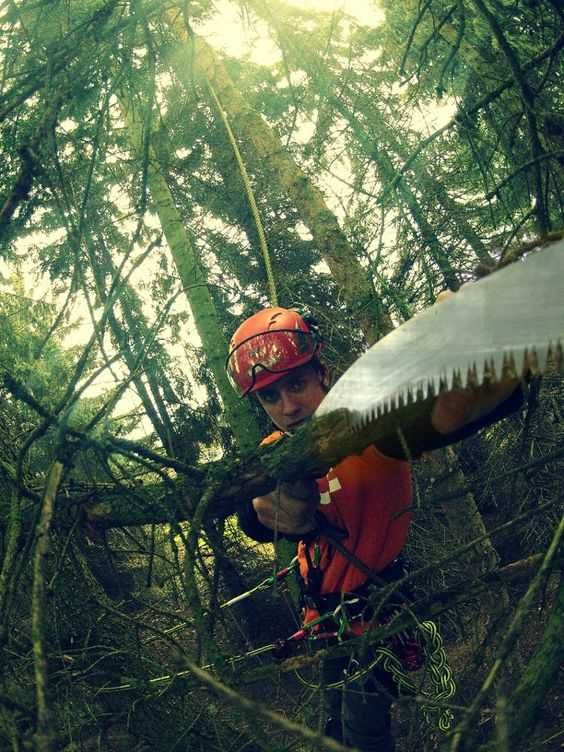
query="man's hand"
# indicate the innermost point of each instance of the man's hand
(290, 508)
(455, 409)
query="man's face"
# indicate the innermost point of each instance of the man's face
(294, 398)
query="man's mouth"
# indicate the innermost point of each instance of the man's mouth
(297, 424)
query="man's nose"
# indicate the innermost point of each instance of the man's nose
(290, 404)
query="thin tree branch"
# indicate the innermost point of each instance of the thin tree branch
(510, 637)
(528, 97)
(423, 9)
(469, 113)
(545, 155)
(43, 737)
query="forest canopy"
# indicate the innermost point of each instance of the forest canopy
(167, 170)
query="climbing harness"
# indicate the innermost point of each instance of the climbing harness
(399, 660)
(443, 686)
(404, 655)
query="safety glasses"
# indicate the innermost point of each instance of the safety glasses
(271, 352)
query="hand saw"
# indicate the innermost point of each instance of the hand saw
(507, 323)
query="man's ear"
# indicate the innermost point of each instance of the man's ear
(324, 377)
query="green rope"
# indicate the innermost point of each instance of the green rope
(250, 197)
(443, 686)
(441, 675)
(442, 680)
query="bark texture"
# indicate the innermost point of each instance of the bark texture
(195, 284)
(197, 58)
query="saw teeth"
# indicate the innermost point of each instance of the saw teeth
(542, 356)
(529, 338)
(500, 360)
(471, 376)
(501, 365)
(364, 420)
(509, 366)
(487, 371)
(530, 361)
(457, 381)
(432, 389)
(557, 356)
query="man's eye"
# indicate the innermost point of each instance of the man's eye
(269, 397)
(297, 385)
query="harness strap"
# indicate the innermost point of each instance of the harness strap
(311, 591)
(443, 684)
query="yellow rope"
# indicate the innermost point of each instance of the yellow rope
(250, 197)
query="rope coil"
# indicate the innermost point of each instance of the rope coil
(443, 686)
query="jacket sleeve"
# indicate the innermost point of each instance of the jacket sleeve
(424, 438)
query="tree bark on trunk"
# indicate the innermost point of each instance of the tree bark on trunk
(194, 282)
(464, 229)
(526, 701)
(195, 56)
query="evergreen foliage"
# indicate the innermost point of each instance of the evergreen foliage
(385, 164)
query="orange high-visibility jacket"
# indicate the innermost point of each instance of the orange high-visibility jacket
(368, 496)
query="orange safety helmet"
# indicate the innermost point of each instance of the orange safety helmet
(267, 345)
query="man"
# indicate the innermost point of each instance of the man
(364, 501)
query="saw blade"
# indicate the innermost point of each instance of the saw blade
(510, 321)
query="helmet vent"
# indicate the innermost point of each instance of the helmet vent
(273, 319)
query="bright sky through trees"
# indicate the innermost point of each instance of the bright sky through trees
(229, 30)
(348, 108)
(233, 35)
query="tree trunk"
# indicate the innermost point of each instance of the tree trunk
(194, 282)
(463, 517)
(463, 228)
(197, 57)
(526, 702)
